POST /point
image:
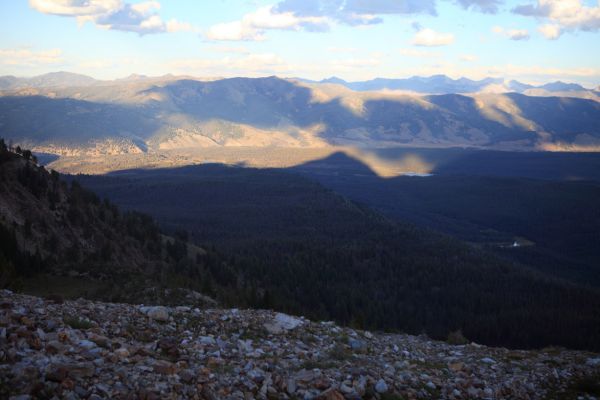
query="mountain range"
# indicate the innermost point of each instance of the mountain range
(435, 84)
(442, 84)
(70, 114)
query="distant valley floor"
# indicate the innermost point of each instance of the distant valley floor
(384, 162)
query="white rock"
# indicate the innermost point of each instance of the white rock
(86, 344)
(207, 340)
(41, 334)
(488, 360)
(381, 386)
(281, 323)
(346, 389)
(157, 313)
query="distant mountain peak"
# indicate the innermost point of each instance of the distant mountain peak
(51, 79)
(133, 77)
(334, 79)
(560, 86)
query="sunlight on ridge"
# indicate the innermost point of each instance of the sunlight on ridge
(502, 109)
(409, 164)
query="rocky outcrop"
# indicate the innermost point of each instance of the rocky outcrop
(83, 349)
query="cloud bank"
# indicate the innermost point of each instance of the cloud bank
(485, 6)
(142, 18)
(314, 16)
(29, 58)
(562, 15)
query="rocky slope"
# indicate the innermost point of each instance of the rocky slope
(82, 349)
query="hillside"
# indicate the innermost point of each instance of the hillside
(548, 202)
(272, 239)
(83, 349)
(58, 238)
(302, 249)
(157, 115)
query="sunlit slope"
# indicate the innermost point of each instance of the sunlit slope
(154, 115)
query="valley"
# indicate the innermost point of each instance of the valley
(313, 204)
(299, 199)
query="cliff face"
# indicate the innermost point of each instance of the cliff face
(83, 349)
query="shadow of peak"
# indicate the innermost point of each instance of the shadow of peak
(337, 163)
(179, 170)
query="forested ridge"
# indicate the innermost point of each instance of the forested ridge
(555, 221)
(60, 238)
(295, 246)
(272, 239)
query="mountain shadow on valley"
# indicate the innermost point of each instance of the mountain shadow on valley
(482, 197)
(299, 247)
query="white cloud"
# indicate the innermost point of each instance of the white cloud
(234, 31)
(355, 12)
(512, 34)
(563, 15)
(342, 49)
(469, 58)
(265, 18)
(314, 16)
(139, 17)
(248, 65)
(550, 31)
(253, 25)
(146, 7)
(29, 58)
(485, 6)
(272, 64)
(418, 53)
(230, 49)
(430, 38)
(75, 8)
(518, 34)
(174, 25)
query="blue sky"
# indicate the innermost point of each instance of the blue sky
(530, 40)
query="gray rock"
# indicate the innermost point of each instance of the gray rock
(593, 362)
(207, 340)
(282, 323)
(357, 345)
(381, 386)
(86, 344)
(208, 356)
(291, 386)
(157, 313)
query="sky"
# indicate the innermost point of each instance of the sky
(534, 41)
